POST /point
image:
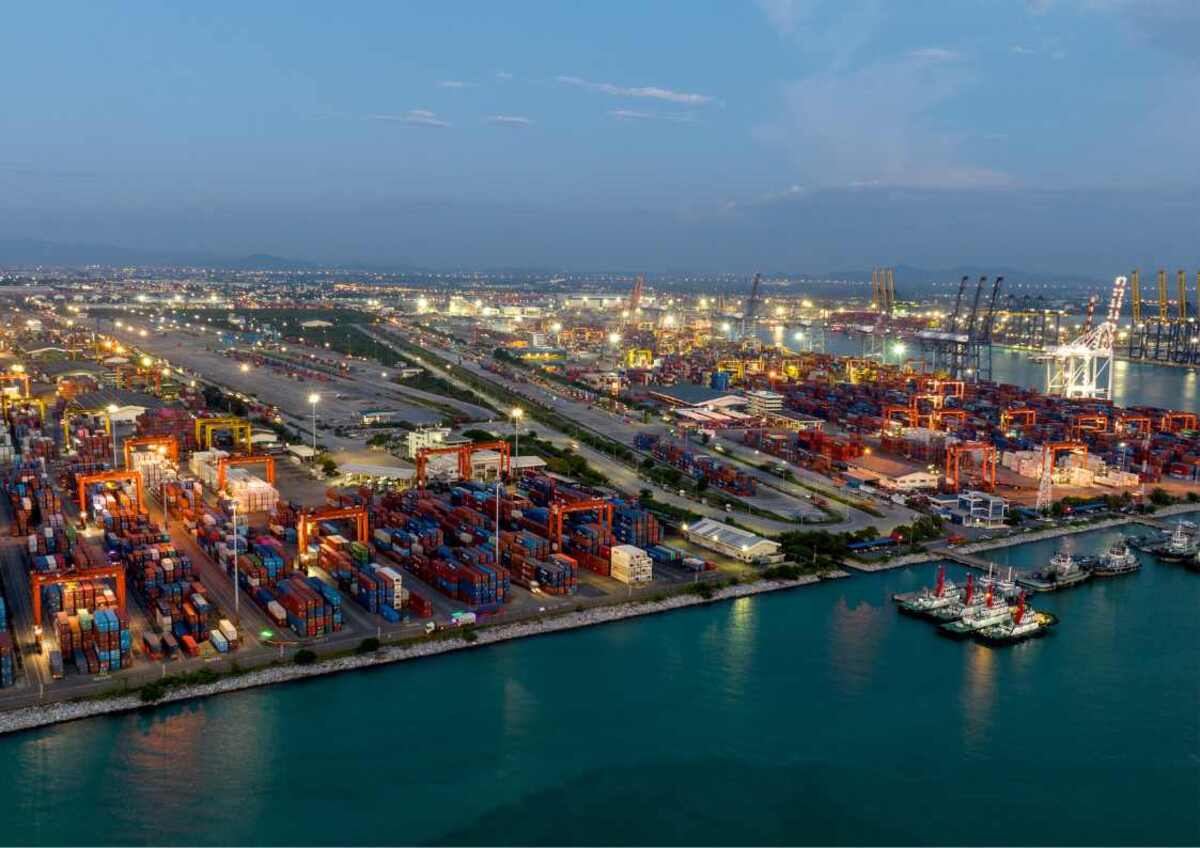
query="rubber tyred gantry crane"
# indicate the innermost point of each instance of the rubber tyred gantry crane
(225, 462)
(307, 520)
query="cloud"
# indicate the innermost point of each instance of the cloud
(414, 118)
(503, 75)
(1022, 50)
(635, 115)
(1172, 25)
(652, 92)
(933, 54)
(877, 126)
(510, 121)
(455, 84)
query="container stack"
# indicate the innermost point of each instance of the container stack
(631, 564)
(633, 525)
(156, 469)
(169, 421)
(96, 642)
(185, 500)
(312, 608)
(251, 493)
(7, 660)
(92, 445)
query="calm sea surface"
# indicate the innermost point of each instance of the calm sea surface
(811, 716)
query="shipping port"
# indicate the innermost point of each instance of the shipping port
(249, 474)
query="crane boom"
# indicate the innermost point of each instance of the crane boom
(1135, 291)
(962, 285)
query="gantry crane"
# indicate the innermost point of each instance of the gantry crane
(307, 520)
(263, 459)
(464, 453)
(954, 455)
(129, 475)
(238, 428)
(168, 443)
(40, 579)
(559, 509)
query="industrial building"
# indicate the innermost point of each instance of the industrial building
(730, 541)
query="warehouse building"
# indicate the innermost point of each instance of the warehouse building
(731, 541)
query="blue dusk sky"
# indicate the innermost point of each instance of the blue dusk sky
(791, 135)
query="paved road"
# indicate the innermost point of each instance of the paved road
(622, 476)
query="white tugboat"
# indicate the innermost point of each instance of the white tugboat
(927, 601)
(1062, 571)
(1117, 560)
(1002, 587)
(989, 613)
(970, 599)
(1025, 623)
(1182, 544)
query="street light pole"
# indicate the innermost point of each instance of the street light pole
(236, 546)
(313, 399)
(112, 429)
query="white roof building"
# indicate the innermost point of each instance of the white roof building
(730, 541)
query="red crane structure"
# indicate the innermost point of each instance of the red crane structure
(126, 476)
(464, 452)
(307, 520)
(954, 455)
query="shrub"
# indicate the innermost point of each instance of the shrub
(305, 657)
(367, 646)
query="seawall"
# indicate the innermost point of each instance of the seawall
(29, 718)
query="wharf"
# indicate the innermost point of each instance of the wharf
(962, 553)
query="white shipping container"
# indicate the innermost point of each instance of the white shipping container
(227, 629)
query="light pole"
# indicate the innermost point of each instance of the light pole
(1122, 446)
(162, 453)
(499, 489)
(517, 414)
(314, 399)
(112, 429)
(236, 546)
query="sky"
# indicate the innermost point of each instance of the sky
(777, 135)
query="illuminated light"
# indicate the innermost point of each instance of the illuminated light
(614, 338)
(314, 398)
(147, 362)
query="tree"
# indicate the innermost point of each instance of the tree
(1159, 497)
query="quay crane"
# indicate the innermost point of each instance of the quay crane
(1083, 368)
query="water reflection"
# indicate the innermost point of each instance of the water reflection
(855, 635)
(978, 696)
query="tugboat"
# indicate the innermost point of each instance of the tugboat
(1118, 560)
(955, 611)
(1025, 623)
(926, 601)
(1182, 545)
(987, 614)
(1062, 572)
(1003, 587)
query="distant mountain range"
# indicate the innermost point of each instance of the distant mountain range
(25, 253)
(29, 252)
